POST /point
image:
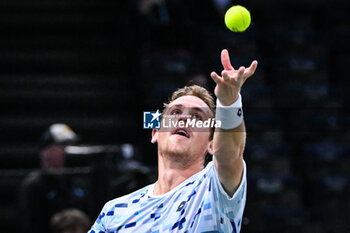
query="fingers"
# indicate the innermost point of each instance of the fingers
(225, 75)
(215, 77)
(251, 69)
(225, 60)
(241, 71)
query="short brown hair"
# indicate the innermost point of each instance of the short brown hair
(198, 91)
(69, 218)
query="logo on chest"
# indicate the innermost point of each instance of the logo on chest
(181, 206)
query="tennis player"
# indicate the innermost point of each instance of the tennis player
(189, 196)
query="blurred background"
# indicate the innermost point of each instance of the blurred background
(96, 65)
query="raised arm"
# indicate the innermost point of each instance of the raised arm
(228, 144)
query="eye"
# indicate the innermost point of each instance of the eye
(175, 112)
(197, 116)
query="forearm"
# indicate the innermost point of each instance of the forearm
(228, 156)
(229, 144)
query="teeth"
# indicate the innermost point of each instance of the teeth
(182, 132)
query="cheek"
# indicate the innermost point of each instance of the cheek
(201, 140)
(203, 136)
(162, 138)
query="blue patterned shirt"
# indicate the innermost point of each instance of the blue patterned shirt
(199, 204)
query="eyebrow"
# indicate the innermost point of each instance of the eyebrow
(195, 108)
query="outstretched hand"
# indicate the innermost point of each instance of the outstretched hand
(229, 84)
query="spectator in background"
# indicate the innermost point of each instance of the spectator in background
(54, 141)
(48, 190)
(70, 221)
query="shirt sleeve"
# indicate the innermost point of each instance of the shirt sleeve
(100, 223)
(232, 207)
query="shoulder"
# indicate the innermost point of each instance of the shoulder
(218, 187)
(209, 169)
(125, 200)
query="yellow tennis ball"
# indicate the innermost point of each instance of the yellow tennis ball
(237, 18)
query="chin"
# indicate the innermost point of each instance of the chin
(177, 150)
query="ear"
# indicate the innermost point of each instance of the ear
(154, 136)
(210, 147)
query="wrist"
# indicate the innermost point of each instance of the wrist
(236, 104)
(230, 116)
(228, 102)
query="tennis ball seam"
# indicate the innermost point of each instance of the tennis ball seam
(243, 21)
(236, 29)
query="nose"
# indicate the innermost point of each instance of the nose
(184, 116)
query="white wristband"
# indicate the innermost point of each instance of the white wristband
(230, 116)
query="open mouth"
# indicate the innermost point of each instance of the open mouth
(182, 132)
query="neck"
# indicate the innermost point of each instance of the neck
(171, 173)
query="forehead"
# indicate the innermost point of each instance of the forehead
(189, 101)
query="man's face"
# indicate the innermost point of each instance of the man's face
(53, 157)
(191, 142)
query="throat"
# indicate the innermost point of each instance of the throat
(169, 178)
